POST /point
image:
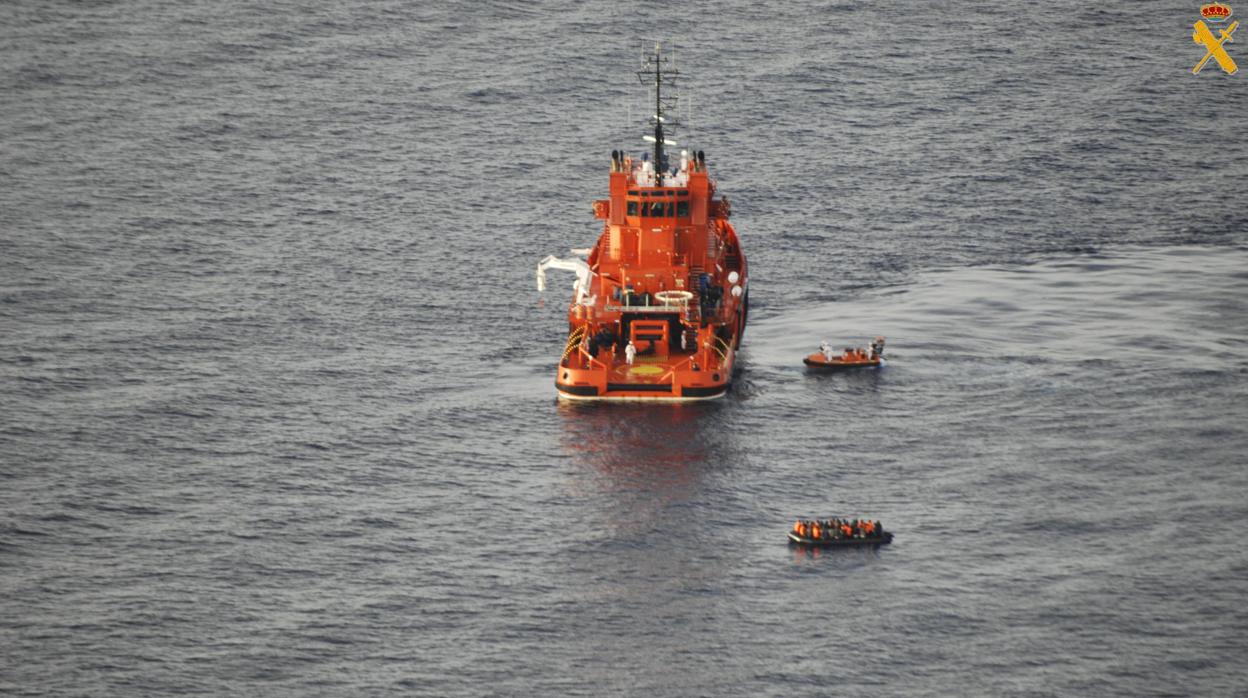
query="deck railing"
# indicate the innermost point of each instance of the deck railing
(576, 344)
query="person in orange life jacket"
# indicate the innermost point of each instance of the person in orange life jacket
(816, 531)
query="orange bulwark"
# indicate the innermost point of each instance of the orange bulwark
(667, 274)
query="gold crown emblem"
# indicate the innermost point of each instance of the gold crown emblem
(1215, 12)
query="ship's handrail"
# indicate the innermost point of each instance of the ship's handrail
(723, 353)
(644, 308)
(592, 361)
(673, 369)
(575, 343)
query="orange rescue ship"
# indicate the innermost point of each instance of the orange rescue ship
(660, 302)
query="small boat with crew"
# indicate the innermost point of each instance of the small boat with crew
(827, 360)
(837, 532)
(660, 302)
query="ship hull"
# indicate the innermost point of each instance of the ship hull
(672, 379)
(625, 394)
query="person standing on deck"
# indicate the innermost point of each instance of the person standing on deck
(630, 351)
(826, 349)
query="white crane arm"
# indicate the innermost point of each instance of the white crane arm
(580, 266)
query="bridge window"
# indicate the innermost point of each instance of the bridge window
(658, 209)
(682, 209)
(632, 208)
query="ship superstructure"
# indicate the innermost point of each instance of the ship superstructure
(660, 302)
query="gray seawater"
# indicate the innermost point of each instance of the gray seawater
(276, 401)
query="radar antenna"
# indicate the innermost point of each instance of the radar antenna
(656, 69)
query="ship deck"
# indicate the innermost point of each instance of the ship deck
(673, 377)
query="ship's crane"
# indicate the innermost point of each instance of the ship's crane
(576, 264)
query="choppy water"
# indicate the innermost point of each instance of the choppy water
(276, 402)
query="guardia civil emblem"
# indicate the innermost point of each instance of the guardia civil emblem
(1217, 13)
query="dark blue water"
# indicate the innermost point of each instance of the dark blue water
(277, 413)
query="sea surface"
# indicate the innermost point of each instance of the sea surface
(277, 414)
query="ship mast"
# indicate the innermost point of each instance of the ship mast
(655, 67)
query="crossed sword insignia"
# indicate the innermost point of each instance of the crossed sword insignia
(1213, 46)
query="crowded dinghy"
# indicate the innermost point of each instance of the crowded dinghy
(838, 532)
